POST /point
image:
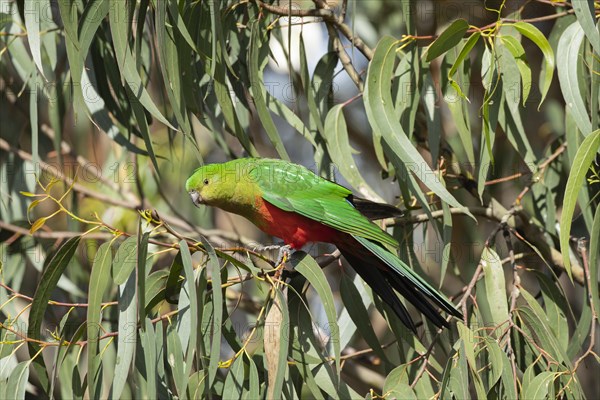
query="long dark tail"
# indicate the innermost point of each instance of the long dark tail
(384, 272)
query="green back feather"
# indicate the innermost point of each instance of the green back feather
(294, 188)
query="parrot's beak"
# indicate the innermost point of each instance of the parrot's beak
(196, 199)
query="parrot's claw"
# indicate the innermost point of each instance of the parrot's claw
(284, 254)
(262, 248)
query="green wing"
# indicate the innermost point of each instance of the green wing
(294, 188)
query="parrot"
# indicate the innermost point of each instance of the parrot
(290, 202)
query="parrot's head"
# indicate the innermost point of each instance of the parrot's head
(208, 185)
(230, 186)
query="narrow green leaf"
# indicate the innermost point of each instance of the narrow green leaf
(217, 301)
(464, 52)
(94, 13)
(569, 54)
(142, 123)
(594, 252)
(34, 10)
(98, 113)
(495, 354)
(584, 10)
(396, 382)
(338, 145)
(518, 53)
(155, 289)
(401, 391)
(447, 239)
(275, 345)
(149, 340)
(325, 378)
(17, 381)
(491, 293)
(33, 121)
(254, 389)
(509, 381)
(257, 86)
(47, 283)
(538, 387)
(557, 309)
(353, 302)
(470, 345)
(581, 164)
(119, 27)
(127, 332)
(451, 37)
(99, 280)
(142, 273)
(433, 116)
(234, 381)
(510, 113)
(532, 33)
(169, 60)
(537, 321)
(190, 284)
(378, 104)
(175, 360)
(124, 261)
(279, 108)
(309, 91)
(307, 266)
(175, 279)
(493, 101)
(458, 374)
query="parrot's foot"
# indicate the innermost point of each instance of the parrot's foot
(272, 247)
(284, 254)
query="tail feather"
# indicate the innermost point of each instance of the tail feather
(387, 271)
(375, 279)
(417, 299)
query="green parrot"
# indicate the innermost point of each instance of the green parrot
(290, 202)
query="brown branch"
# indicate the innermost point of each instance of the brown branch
(134, 205)
(52, 302)
(519, 223)
(328, 17)
(52, 234)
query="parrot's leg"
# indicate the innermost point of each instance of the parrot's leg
(271, 247)
(284, 254)
(283, 251)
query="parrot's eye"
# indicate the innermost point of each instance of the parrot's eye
(205, 181)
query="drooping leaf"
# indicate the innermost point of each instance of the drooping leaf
(340, 151)
(124, 261)
(491, 292)
(569, 54)
(258, 91)
(127, 333)
(537, 37)
(581, 164)
(47, 283)
(451, 37)
(518, 52)
(275, 343)
(308, 267)
(99, 280)
(584, 10)
(234, 382)
(378, 104)
(539, 385)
